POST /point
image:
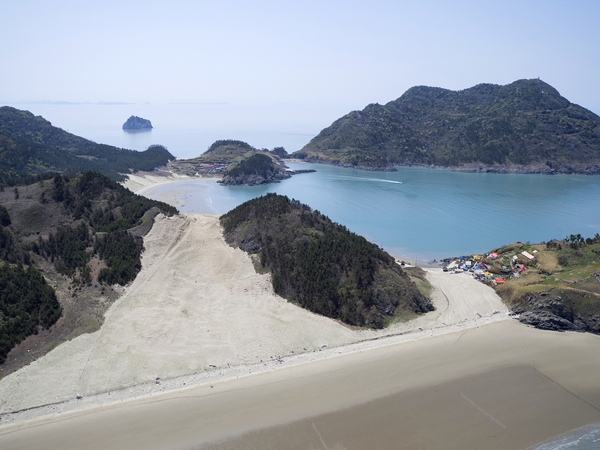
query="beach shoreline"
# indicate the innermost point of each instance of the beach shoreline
(154, 185)
(200, 351)
(521, 395)
(212, 299)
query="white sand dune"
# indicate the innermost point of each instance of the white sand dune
(199, 309)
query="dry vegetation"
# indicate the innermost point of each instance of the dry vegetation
(563, 280)
(36, 231)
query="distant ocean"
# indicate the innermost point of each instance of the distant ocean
(187, 130)
(413, 213)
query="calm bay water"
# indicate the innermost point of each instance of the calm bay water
(414, 213)
(427, 214)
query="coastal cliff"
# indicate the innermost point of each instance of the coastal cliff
(551, 286)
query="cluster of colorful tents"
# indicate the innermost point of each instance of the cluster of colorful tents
(476, 265)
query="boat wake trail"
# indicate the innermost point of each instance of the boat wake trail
(368, 179)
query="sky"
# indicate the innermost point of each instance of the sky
(327, 54)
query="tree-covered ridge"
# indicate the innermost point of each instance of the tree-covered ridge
(321, 265)
(30, 145)
(254, 165)
(526, 126)
(83, 230)
(26, 303)
(229, 143)
(103, 211)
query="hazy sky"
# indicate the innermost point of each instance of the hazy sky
(340, 54)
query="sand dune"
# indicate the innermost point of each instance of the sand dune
(198, 305)
(200, 351)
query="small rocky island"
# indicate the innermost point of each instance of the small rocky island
(257, 169)
(137, 123)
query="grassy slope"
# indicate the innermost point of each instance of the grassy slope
(564, 281)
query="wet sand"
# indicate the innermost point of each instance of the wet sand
(502, 385)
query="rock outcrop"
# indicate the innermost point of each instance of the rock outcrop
(253, 179)
(257, 169)
(137, 123)
(554, 315)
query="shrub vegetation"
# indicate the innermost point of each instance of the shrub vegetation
(96, 215)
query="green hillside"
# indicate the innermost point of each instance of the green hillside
(526, 126)
(321, 265)
(560, 287)
(64, 242)
(30, 145)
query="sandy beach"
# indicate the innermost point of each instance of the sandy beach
(200, 353)
(499, 386)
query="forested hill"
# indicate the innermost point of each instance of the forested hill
(321, 265)
(526, 126)
(30, 145)
(84, 233)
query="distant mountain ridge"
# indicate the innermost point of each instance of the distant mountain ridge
(31, 145)
(525, 126)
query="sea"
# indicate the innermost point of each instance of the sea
(187, 129)
(415, 213)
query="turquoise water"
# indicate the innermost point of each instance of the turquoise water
(427, 214)
(413, 212)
